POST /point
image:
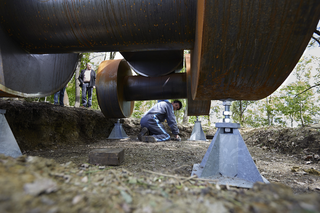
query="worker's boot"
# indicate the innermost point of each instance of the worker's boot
(149, 139)
(143, 132)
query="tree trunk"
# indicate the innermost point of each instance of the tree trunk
(185, 115)
(77, 87)
(268, 113)
(66, 98)
(240, 113)
(301, 116)
(112, 55)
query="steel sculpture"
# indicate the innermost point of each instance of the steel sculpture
(240, 49)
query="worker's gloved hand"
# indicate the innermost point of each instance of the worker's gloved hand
(175, 138)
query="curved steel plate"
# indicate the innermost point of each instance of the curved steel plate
(154, 63)
(109, 83)
(195, 107)
(245, 49)
(60, 26)
(32, 75)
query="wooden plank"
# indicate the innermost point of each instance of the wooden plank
(106, 157)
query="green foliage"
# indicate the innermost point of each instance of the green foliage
(140, 107)
(192, 119)
(238, 109)
(300, 108)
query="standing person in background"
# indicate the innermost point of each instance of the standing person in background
(59, 94)
(87, 79)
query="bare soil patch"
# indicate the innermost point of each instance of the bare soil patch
(155, 177)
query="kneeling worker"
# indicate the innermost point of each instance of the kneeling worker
(151, 122)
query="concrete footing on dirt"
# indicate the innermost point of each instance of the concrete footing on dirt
(8, 143)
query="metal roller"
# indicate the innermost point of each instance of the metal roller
(245, 49)
(116, 87)
(110, 84)
(60, 26)
(241, 49)
(154, 63)
(32, 75)
(173, 86)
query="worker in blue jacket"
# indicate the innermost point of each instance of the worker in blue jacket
(152, 128)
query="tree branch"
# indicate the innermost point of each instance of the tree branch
(307, 89)
(317, 40)
(317, 32)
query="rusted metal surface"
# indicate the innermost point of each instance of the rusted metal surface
(32, 75)
(173, 86)
(195, 107)
(154, 63)
(59, 26)
(245, 49)
(110, 86)
(241, 49)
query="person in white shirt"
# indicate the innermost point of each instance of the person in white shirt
(87, 81)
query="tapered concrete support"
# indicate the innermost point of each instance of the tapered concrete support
(228, 160)
(8, 144)
(197, 132)
(118, 132)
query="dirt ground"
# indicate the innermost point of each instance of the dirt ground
(155, 177)
(177, 158)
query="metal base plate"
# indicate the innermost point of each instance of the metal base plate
(221, 180)
(228, 161)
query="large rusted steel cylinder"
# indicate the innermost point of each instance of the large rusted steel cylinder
(59, 26)
(241, 49)
(32, 75)
(245, 49)
(138, 88)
